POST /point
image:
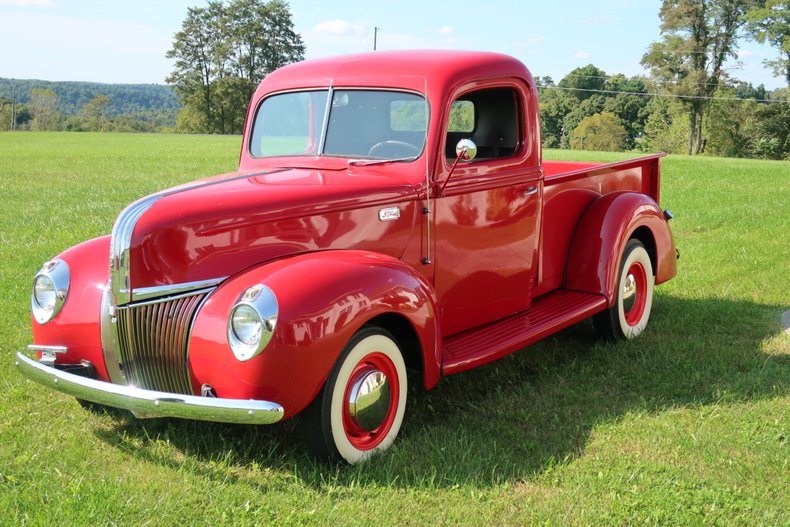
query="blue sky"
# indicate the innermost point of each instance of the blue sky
(110, 41)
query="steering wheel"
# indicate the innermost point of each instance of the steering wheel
(393, 148)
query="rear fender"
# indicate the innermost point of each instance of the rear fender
(600, 237)
(323, 299)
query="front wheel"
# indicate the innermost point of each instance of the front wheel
(360, 409)
(627, 318)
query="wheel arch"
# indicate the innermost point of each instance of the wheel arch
(407, 339)
(601, 235)
(324, 299)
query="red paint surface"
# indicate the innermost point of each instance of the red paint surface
(77, 325)
(324, 299)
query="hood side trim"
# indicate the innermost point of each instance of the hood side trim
(121, 239)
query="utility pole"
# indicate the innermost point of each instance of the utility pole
(375, 36)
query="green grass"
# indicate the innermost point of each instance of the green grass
(688, 425)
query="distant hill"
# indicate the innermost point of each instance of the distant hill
(125, 99)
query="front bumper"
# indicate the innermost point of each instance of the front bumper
(149, 403)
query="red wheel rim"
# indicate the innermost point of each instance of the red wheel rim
(367, 439)
(634, 314)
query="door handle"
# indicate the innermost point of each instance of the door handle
(532, 189)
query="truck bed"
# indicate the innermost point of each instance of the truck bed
(569, 187)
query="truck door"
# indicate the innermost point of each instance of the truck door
(487, 216)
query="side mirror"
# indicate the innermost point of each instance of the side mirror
(466, 150)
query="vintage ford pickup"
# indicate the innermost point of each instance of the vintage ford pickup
(391, 211)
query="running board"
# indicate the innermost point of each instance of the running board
(549, 313)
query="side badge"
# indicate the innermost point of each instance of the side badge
(389, 214)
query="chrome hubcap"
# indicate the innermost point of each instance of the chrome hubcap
(369, 400)
(629, 293)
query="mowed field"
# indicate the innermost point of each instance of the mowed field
(687, 425)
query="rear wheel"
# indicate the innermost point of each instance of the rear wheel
(360, 409)
(628, 317)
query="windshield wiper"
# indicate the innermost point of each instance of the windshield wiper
(369, 162)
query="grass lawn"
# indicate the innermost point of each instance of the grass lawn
(687, 425)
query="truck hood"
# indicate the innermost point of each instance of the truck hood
(214, 228)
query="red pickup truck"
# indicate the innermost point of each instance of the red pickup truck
(391, 212)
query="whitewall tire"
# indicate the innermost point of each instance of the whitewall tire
(360, 409)
(628, 317)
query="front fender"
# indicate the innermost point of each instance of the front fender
(77, 325)
(601, 235)
(323, 298)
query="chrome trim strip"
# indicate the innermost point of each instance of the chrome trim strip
(149, 403)
(109, 339)
(144, 293)
(121, 242)
(162, 300)
(47, 349)
(325, 125)
(48, 353)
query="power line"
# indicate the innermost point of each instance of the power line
(669, 95)
(642, 79)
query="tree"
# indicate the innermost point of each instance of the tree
(666, 129)
(584, 82)
(698, 38)
(581, 110)
(93, 113)
(554, 106)
(6, 114)
(769, 21)
(43, 106)
(223, 51)
(602, 131)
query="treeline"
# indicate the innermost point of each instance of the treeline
(591, 110)
(125, 99)
(86, 106)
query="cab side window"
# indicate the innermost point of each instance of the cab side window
(489, 118)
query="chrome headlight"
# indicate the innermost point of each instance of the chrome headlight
(50, 289)
(251, 322)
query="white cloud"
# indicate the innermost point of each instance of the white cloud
(745, 53)
(341, 28)
(28, 3)
(535, 39)
(446, 30)
(582, 54)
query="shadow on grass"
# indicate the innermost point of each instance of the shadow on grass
(514, 418)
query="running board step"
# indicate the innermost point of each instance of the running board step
(549, 313)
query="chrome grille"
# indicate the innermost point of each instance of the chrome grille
(152, 342)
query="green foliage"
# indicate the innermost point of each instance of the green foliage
(749, 128)
(554, 106)
(221, 53)
(698, 36)
(462, 117)
(585, 92)
(666, 128)
(687, 425)
(44, 109)
(580, 80)
(601, 131)
(769, 21)
(581, 110)
(125, 99)
(94, 113)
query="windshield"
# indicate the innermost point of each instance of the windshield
(362, 124)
